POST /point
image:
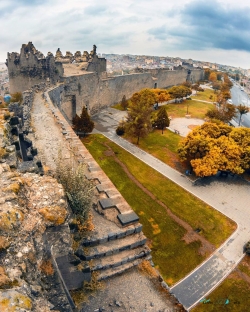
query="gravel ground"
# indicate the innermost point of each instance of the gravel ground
(131, 292)
(48, 136)
(185, 125)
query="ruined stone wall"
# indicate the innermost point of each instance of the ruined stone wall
(30, 67)
(91, 91)
(97, 65)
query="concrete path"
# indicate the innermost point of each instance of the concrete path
(229, 195)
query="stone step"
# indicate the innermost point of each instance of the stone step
(119, 270)
(120, 258)
(105, 237)
(111, 247)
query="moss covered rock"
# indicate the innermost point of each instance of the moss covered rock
(54, 214)
(10, 219)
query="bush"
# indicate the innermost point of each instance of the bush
(200, 89)
(120, 130)
(78, 188)
(247, 248)
(16, 97)
(6, 115)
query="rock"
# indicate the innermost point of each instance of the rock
(13, 300)
(10, 219)
(117, 303)
(4, 279)
(54, 214)
(4, 243)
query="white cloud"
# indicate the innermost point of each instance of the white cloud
(158, 27)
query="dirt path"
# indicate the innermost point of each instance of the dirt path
(206, 248)
(48, 136)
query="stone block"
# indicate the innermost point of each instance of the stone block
(109, 253)
(124, 248)
(112, 236)
(138, 229)
(107, 203)
(103, 240)
(135, 244)
(130, 231)
(121, 234)
(100, 188)
(128, 218)
(124, 260)
(117, 264)
(94, 243)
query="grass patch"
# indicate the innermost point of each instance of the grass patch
(195, 108)
(234, 288)
(162, 146)
(118, 106)
(205, 96)
(166, 236)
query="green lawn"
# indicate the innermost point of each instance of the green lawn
(195, 108)
(234, 291)
(205, 96)
(164, 234)
(118, 106)
(163, 146)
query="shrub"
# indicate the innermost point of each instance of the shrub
(120, 130)
(78, 189)
(16, 97)
(6, 115)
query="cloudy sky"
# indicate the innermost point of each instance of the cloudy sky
(208, 30)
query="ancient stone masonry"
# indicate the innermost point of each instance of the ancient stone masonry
(83, 78)
(30, 67)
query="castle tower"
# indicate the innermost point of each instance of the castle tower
(30, 67)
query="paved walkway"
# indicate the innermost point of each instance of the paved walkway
(228, 195)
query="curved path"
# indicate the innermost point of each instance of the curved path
(229, 195)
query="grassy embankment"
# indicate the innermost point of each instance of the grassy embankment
(234, 291)
(170, 250)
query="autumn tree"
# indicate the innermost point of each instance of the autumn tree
(124, 102)
(140, 108)
(161, 95)
(242, 110)
(212, 76)
(161, 121)
(187, 84)
(83, 123)
(179, 92)
(207, 73)
(225, 112)
(216, 147)
(216, 85)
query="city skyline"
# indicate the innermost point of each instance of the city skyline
(216, 32)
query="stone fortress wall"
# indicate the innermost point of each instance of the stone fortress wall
(81, 79)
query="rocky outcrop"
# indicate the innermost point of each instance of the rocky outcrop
(28, 280)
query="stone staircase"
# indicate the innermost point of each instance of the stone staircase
(117, 243)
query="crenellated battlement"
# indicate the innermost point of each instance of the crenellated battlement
(31, 67)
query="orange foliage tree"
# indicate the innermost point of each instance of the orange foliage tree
(216, 147)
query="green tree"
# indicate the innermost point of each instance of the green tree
(83, 123)
(161, 121)
(124, 102)
(139, 111)
(242, 110)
